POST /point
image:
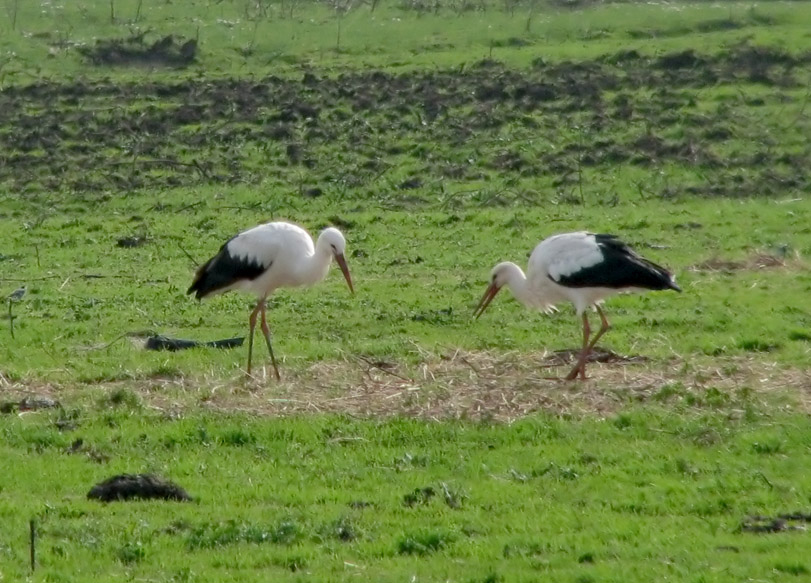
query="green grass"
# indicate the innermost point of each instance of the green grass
(245, 38)
(641, 496)
(418, 277)
(406, 440)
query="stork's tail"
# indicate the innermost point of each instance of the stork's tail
(202, 284)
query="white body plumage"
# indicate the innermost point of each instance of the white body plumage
(283, 250)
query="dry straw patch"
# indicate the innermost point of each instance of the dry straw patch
(755, 261)
(507, 386)
(457, 384)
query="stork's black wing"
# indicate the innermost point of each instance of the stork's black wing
(222, 270)
(620, 267)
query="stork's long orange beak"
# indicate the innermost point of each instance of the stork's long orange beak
(345, 270)
(488, 296)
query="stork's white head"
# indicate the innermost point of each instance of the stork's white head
(333, 240)
(505, 273)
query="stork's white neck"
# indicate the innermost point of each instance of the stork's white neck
(315, 267)
(518, 284)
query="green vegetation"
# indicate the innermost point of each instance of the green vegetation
(248, 38)
(418, 276)
(406, 441)
(638, 496)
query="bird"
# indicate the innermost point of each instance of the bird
(583, 268)
(17, 294)
(264, 258)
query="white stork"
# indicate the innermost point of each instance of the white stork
(583, 268)
(265, 258)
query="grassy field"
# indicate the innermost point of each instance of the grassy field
(248, 38)
(659, 494)
(418, 276)
(405, 441)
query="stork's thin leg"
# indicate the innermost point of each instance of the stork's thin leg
(252, 320)
(579, 367)
(604, 327)
(266, 332)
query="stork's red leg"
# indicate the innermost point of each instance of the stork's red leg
(580, 366)
(252, 320)
(266, 332)
(604, 327)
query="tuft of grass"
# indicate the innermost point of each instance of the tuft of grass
(235, 532)
(757, 345)
(132, 552)
(344, 529)
(424, 543)
(767, 447)
(121, 397)
(790, 568)
(489, 578)
(799, 335)
(236, 438)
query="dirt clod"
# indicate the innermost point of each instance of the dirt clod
(419, 496)
(129, 242)
(29, 403)
(137, 486)
(779, 523)
(134, 50)
(680, 60)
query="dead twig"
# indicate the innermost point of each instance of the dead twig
(380, 367)
(189, 206)
(10, 319)
(188, 255)
(137, 334)
(30, 278)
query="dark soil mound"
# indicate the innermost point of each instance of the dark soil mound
(137, 486)
(135, 51)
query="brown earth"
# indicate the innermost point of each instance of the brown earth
(350, 131)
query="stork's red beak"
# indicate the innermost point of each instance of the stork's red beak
(488, 296)
(345, 270)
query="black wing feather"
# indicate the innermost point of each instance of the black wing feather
(223, 270)
(621, 267)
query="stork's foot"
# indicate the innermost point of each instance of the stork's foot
(566, 379)
(260, 374)
(579, 369)
(576, 375)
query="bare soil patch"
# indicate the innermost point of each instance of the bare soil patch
(345, 131)
(134, 50)
(780, 523)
